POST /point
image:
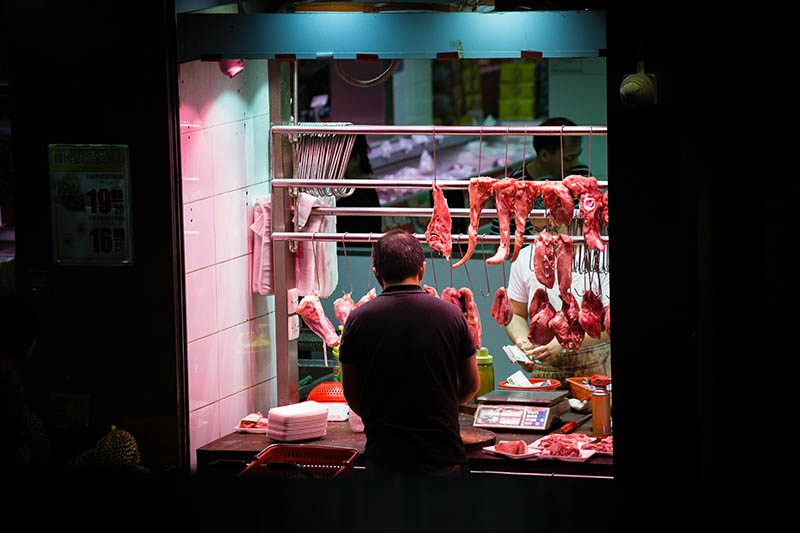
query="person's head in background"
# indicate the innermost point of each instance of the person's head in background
(549, 151)
(358, 165)
(397, 257)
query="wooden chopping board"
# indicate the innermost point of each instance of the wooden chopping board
(476, 437)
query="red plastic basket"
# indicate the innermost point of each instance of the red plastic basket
(303, 460)
(554, 384)
(329, 391)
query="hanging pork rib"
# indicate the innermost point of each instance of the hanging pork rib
(558, 200)
(450, 294)
(310, 310)
(430, 290)
(590, 203)
(544, 259)
(604, 210)
(473, 318)
(438, 232)
(480, 191)
(541, 313)
(591, 314)
(504, 193)
(371, 295)
(524, 195)
(501, 307)
(464, 300)
(342, 307)
(566, 325)
(564, 264)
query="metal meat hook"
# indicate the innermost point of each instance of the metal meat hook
(346, 262)
(433, 267)
(465, 270)
(485, 269)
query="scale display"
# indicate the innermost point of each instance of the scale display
(515, 416)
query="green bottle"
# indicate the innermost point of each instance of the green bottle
(337, 366)
(485, 371)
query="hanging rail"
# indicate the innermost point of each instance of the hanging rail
(455, 212)
(381, 184)
(444, 130)
(369, 237)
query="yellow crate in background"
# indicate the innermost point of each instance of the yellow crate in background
(516, 90)
(517, 109)
(514, 72)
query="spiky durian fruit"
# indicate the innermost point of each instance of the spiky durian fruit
(118, 448)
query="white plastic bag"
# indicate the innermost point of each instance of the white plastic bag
(356, 425)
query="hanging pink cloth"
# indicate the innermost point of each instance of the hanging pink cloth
(263, 279)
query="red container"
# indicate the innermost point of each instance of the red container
(303, 460)
(554, 384)
(329, 391)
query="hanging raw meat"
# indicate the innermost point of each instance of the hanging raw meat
(544, 260)
(473, 318)
(504, 192)
(541, 313)
(524, 195)
(590, 203)
(566, 325)
(438, 232)
(480, 190)
(579, 185)
(558, 200)
(589, 206)
(430, 290)
(342, 307)
(450, 294)
(501, 307)
(371, 294)
(564, 264)
(310, 309)
(591, 314)
(607, 319)
(464, 300)
(604, 210)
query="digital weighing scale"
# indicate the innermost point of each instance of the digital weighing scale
(520, 409)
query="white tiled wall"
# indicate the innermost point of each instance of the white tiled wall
(230, 340)
(412, 87)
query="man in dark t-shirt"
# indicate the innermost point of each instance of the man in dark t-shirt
(408, 361)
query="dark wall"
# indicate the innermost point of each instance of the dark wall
(100, 72)
(675, 252)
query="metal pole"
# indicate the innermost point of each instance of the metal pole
(456, 212)
(284, 259)
(370, 237)
(444, 130)
(381, 184)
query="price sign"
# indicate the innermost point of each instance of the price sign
(90, 201)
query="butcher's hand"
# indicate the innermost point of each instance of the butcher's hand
(537, 353)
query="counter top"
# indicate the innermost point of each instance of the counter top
(231, 453)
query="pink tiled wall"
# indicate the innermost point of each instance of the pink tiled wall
(230, 349)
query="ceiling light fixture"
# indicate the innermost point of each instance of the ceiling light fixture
(231, 67)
